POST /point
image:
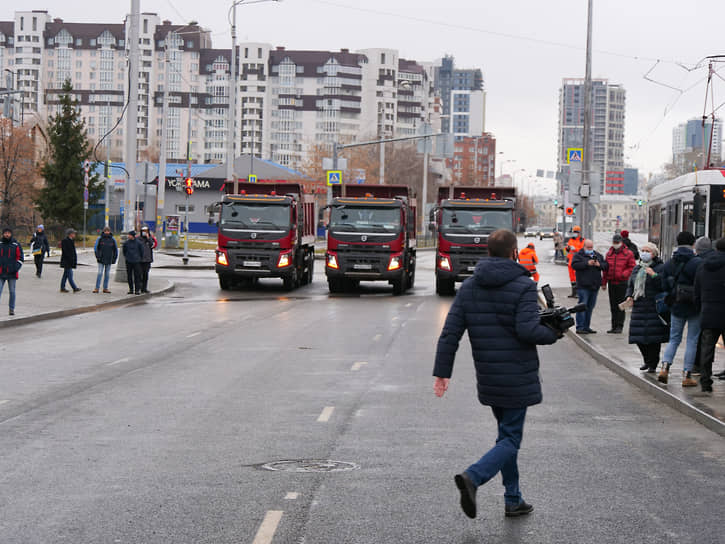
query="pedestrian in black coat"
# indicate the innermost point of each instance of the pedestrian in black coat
(498, 307)
(646, 328)
(148, 241)
(11, 260)
(40, 247)
(710, 300)
(106, 254)
(132, 252)
(68, 261)
(703, 248)
(588, 265)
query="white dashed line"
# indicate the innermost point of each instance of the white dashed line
(356, 366)
(291, 496)
(266, 531)
(4, 401)
(377, 337)
(326, 414)
(197, 333)
(124, 360)
(409, 305)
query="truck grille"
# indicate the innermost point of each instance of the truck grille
(357, 261)
(465, 259)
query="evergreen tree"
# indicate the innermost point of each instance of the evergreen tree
(61, 200)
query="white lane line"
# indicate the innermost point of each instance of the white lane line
(124, 360)
(4, 401)
(291, 496)
(326, 413)
(266, 531)
(377, 337)
(409, 305)
(193, 334)
(356, 366)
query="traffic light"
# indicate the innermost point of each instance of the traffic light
(556, 202)
(107, 169)
(640, 202)
(569, 211)
(189, 186)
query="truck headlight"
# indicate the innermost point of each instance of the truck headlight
(332, 261)
(284, 259)
(444, 263)
(221, 258)
(394, 262)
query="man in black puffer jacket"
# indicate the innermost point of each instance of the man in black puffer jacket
(498, 306)
(709, 297)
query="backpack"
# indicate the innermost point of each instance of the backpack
(679, 293)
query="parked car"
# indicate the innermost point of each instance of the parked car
(532, 231)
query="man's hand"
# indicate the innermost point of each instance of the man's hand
(604, 287)
(440, 386)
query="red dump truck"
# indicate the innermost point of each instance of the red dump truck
(371, 237)
(266, 230)
(463, 218)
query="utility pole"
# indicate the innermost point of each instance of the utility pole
(108, 173)
(132, 114)
(185, 258)
(585, 187)
(161, 186)
(231, 133)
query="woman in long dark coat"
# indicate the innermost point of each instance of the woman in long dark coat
(646, 328)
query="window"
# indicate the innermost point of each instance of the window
(145, 26)
(22, 23)
(382, 58)
(259, 52)
(35, 24)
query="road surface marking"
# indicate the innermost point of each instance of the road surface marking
(197, 333)
(377, 337)
(266, 531)
(409, 305)
(356, 366)
(124, 360)
(326, 413)
(4, 401)
(396, 318)
(291, 496)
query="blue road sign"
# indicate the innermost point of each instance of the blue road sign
(334, 177)
(574, 154)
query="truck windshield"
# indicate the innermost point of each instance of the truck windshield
(255, 216)
(368, 218)
(467, 220)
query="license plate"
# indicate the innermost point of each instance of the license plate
(362, 266)
(471, 268)
(251, 263)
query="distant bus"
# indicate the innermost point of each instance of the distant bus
(694, 202)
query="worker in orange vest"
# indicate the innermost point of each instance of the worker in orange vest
(573, 245)
(529, 260)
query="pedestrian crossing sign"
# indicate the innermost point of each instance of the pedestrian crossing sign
(334, 177)
(574, 154)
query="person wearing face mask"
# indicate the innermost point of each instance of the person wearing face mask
(588, 265)
(646, 328)
(621, 262)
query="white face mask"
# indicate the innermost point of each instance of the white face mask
(617, 245)
(645, 256)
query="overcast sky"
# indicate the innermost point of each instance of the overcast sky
(523, 47)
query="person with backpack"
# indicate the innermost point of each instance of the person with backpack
(11, 259)
(40, 247)
(68, 261)
(678, 278)
(106, 252)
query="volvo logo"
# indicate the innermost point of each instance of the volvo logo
(364, 238)
(254, 235)
(477, 239)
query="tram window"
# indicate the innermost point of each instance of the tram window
(688, 219)
(654, 224)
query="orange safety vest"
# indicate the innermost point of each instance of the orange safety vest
(529, 260)
(573, 246)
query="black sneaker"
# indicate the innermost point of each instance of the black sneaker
(582, 331)
(76, 289)
(706, 388)
(644, 366)
(468, 494)
(130, 293)
(590, 331)
(521, 509)
(12, 312)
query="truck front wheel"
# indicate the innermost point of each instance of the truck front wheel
(401, 284)
(445, 287)
(224, 283)
(291, 281)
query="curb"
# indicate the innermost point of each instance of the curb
(184, 267)
(136, 299)
(661, 394)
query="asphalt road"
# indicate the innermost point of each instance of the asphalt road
(149, 424)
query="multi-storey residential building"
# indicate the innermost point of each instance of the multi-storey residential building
(288, 102)
(463, 98)
(691, 143)
(607, 128)
(474, 161)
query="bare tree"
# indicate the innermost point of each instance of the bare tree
(18, 175)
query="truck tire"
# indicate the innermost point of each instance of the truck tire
(411, 278)
(224, 283)
(335, 285)
(445, 287)
(401, 284)
(292, 280)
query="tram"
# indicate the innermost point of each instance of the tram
(694, 202)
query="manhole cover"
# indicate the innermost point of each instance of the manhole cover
(310, 465)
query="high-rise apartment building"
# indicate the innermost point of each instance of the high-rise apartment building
(607, 127)
(463, 99)
(691, 143)
(474, 160)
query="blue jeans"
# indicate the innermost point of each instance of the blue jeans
(11, 288)
(588, 297)
(68, 275)
(105, 271)
(502, 457)
(677, 326)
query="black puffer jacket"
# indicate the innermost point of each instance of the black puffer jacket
(588, 277)
(106, 249)
(68, 256)
(710, 291)
(686, 255)
(498, 307)
(645, 326)
(132, 250)
(40, 241)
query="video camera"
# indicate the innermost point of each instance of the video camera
(555, 317)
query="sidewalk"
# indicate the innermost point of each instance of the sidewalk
(40, 298)
(614, 351)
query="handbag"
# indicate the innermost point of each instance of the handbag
(38, 251)
(684, 294)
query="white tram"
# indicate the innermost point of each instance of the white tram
(694, 202)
